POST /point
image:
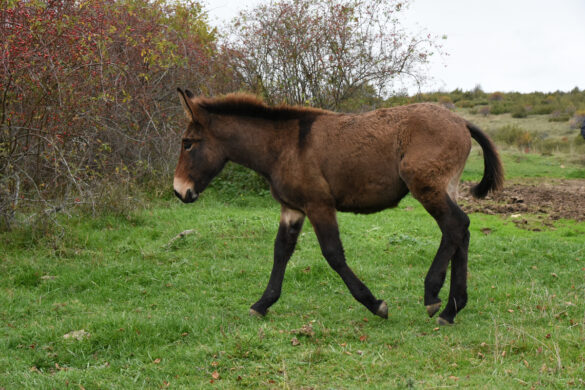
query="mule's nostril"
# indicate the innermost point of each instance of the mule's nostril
(189, 196)
(178, 195)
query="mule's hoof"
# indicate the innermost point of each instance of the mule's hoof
(382, 310)
(433, 309)
(255, 313)
(443, 322)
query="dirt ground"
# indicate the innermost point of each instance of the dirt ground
(550, 199)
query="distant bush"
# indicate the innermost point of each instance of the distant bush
(519, 112)
(496, 97)
(484, 110)
(446, 102)
(513, 135)
(500, 107)
(549, 100)
(465, 104)
(577, 119)
(543, 109)
(559, 116)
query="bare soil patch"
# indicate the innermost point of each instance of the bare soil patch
(552, 199)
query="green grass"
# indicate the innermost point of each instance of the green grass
(519, 165)
(177, 316)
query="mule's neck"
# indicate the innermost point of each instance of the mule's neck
(252, 142)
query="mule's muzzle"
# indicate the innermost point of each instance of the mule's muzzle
(189, 197)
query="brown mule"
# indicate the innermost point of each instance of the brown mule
(319, 162)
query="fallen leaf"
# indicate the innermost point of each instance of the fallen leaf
(486, 231)
(363, 338)
(215, 375)
(156, 361)
(215, 363)
(294, 341)
(305, 330)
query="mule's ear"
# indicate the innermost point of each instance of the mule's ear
(185, 98)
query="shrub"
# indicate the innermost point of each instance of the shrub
(465, 104)
(446, 102)
(484, 110)
(543, 109)
(513, 135)
(87, 94)
(519, 112)
(496, 97)
(500, 107)
(577, 119)
(559, 116)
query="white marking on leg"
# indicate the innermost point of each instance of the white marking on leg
(290, 216)
(453, 187)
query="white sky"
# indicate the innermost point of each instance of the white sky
(502, 45)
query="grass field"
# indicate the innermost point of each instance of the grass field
(107, 302)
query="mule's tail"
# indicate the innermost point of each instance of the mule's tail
(493, 172)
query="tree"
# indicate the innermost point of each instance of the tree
(323, 52)
(87, 94)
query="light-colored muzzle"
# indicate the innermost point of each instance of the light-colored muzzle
(185, 190)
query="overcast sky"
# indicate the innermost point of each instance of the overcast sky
(502, 45)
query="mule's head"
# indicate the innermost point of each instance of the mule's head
(201, 157)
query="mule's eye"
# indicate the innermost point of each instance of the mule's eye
(188, 144)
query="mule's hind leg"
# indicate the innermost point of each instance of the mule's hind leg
(454, 224)
(455, 227)
(291, 222)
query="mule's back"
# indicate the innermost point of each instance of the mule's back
(364, 158)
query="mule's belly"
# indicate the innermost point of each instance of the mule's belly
(370, 197)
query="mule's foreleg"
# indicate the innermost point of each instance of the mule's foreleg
(325, 225)
(291, 223)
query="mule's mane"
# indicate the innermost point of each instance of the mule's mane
(251, 106)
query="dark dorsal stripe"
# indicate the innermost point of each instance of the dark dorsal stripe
(249, 106)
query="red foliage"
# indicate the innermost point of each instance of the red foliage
(86, 90)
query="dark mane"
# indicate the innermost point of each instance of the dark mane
(251, 106)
